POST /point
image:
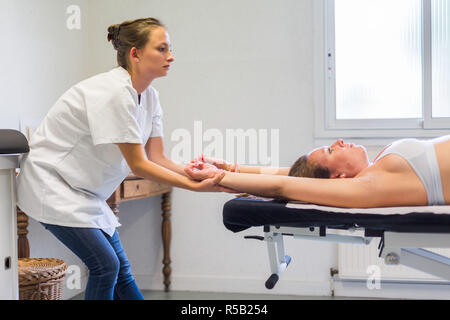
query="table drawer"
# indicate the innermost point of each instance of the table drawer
(141, 188)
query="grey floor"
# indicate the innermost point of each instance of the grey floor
(190, 295)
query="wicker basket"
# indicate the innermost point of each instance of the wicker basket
(41, 278)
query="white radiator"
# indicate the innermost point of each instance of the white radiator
(357, 261)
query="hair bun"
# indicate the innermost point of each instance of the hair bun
(113, 35)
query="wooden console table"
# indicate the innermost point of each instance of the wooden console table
(132, 188)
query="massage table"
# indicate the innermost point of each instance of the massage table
(403, 231)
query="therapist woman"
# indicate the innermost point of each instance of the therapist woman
(94, 135)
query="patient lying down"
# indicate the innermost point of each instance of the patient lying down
(408, 172)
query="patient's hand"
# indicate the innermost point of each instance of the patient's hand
(218, 163)
(200, 170)
(203, 171)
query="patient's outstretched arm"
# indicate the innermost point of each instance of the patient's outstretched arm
(367, 191)
(235, 167)
(354, 192)
(282, 171)
(372, 189)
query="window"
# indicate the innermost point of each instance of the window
(387, 66)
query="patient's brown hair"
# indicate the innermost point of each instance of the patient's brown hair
(129, 34)
(304, 168)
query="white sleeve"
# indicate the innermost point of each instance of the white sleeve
(113, 119)
(157, 125)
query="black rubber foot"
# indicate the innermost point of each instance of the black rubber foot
(272, 281)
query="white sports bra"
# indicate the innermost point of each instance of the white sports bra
(421, 157)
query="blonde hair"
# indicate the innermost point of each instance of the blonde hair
(304, 168)
(129, 34)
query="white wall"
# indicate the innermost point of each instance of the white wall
(238, 64)
(40, 57)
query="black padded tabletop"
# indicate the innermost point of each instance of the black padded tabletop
(242, 213)
(13, 142)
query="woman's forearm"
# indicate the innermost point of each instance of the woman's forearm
(264, 170)
(352, 192)
(152, 171)
(235, 167)
(259, 185)
(171, 165)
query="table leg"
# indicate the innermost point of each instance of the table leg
(114, 202)
(23, 246)
(166, 235)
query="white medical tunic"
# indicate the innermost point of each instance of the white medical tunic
(73, 165)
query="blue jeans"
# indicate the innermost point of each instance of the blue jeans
(109, 270)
